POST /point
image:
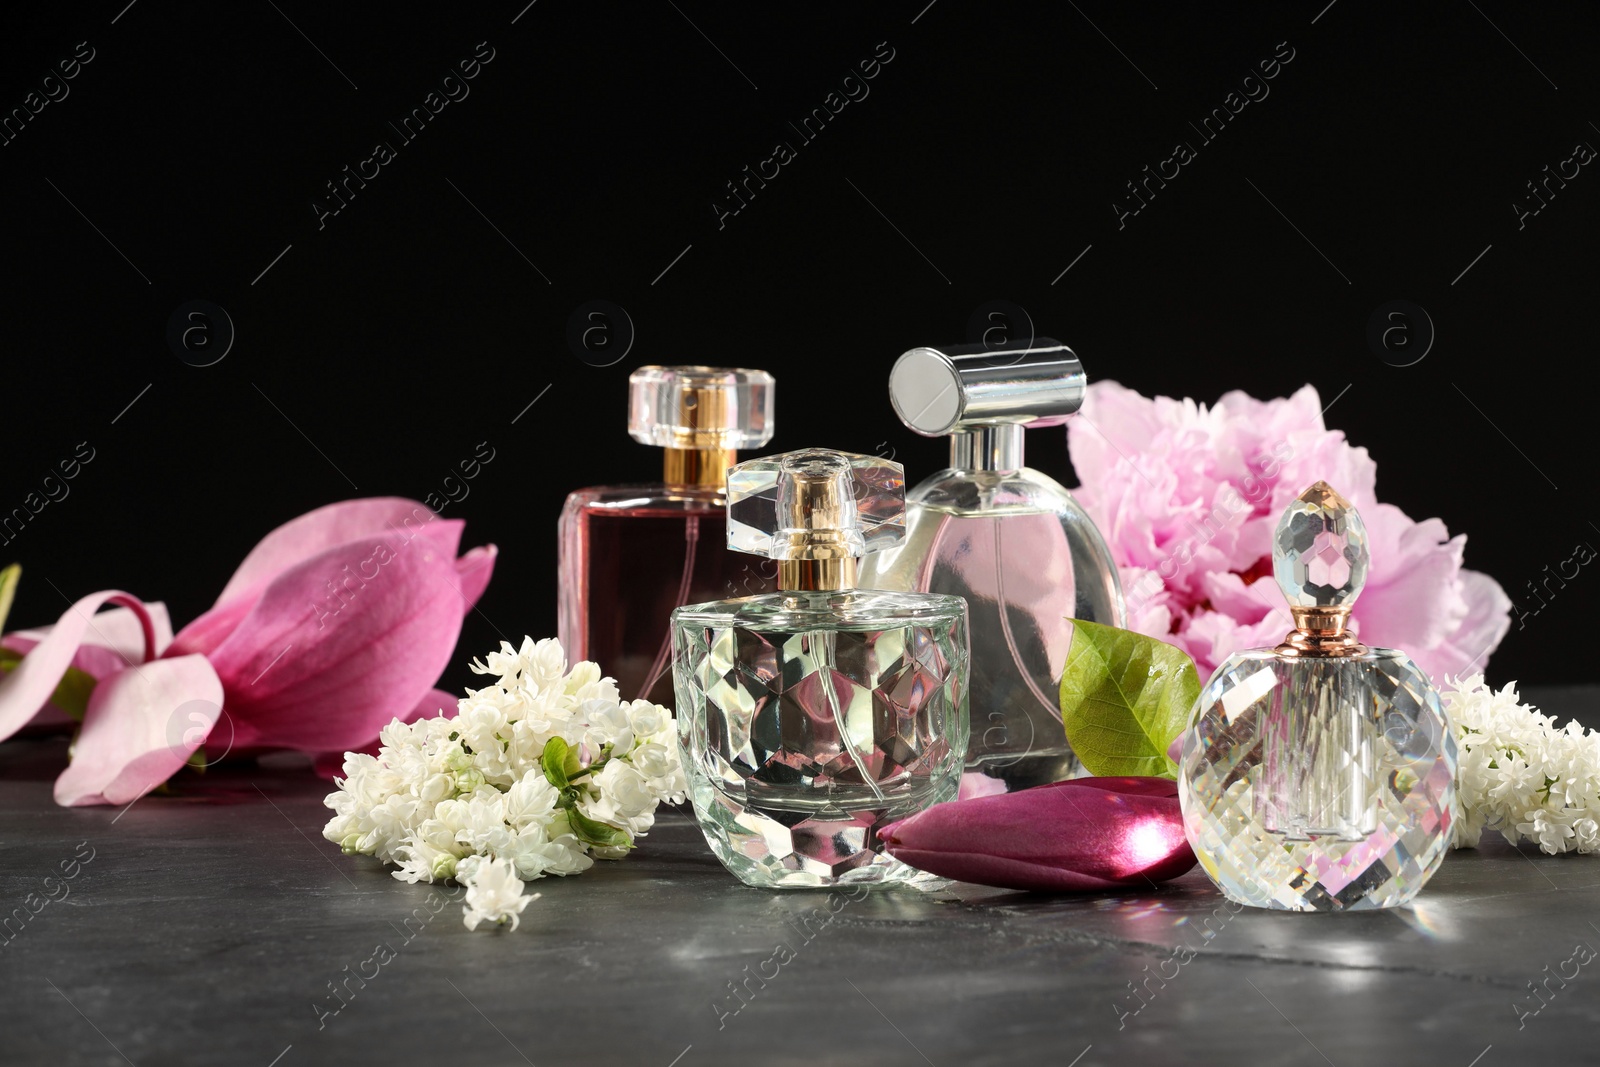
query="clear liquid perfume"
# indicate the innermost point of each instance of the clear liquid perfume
(813, 716)
(1010, 540)
(630, 554)
(1319, 775)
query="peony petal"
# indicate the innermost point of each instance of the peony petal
(343, 642)
(1082, 834)
(28, 687)
(1480, 633)
(1411, 601)
(141, 726)
(433, 702)
(317, 531)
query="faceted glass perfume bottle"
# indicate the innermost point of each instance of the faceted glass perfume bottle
(1010, 540)
(810, 717)
(630, 554)
(1319, 775)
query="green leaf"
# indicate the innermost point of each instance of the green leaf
(8, 591)
(598, 833)
(71, 693)
(554, 761)
(1124, 698)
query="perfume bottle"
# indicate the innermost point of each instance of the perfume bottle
(1010, 540)
(630, 554)
(811, 717)
(1319, 775)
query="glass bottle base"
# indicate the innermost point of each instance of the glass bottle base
(809, 845)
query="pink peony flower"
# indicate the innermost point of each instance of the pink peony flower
(1188, 496)
(336, 623)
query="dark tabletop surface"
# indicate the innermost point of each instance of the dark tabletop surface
(208, 927)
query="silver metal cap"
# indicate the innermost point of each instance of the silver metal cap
(939, 391)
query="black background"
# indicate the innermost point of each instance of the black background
(379, 350)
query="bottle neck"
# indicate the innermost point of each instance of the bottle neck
(824, 575)
(1320, 633)
(987, 447)
(697, 466)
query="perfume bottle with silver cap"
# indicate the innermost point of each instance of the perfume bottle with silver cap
(1010, 540)
(810, 717)
(629, 554)
(1319, 775)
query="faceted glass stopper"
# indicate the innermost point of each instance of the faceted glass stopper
(1319, 550)
(815, 504)
(700, 407)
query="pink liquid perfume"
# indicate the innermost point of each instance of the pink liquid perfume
(630, 554)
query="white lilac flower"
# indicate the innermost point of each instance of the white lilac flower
(467, 796)
(626, 788)
(1519, 773)
(494, 893)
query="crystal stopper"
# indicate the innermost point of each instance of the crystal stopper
(1319, 550)
(815, 504)
(700, 407)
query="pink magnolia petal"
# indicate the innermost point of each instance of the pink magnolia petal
(343, 642)
(975, 784)
(114, 641)
(433, 702)
(119, 631)
(1082, 834)
(28, 687)
(141, 726)
(317, 531)
(474, 569)
(210, 630)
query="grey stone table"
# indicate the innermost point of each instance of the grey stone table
(212, 926)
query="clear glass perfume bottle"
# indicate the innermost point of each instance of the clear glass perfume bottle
(1010, 540)
(630, 554)
(812, 716)
(1319, 775)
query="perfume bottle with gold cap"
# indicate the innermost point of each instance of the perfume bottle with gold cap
(811, 717)
(1009, 539)
(630, 554)
(1319, 775)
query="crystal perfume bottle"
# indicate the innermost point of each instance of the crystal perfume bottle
(1319, 775)
(810, 717)
(630, 554)
(1010, 540)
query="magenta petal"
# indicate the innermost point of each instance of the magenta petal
(114, 641)
(434, 702)
(141, 725)
(317, 531)
(118, 632)
(473, 571)
(27, 688)
(345, 641)
(1088, 833)
(976, 784)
